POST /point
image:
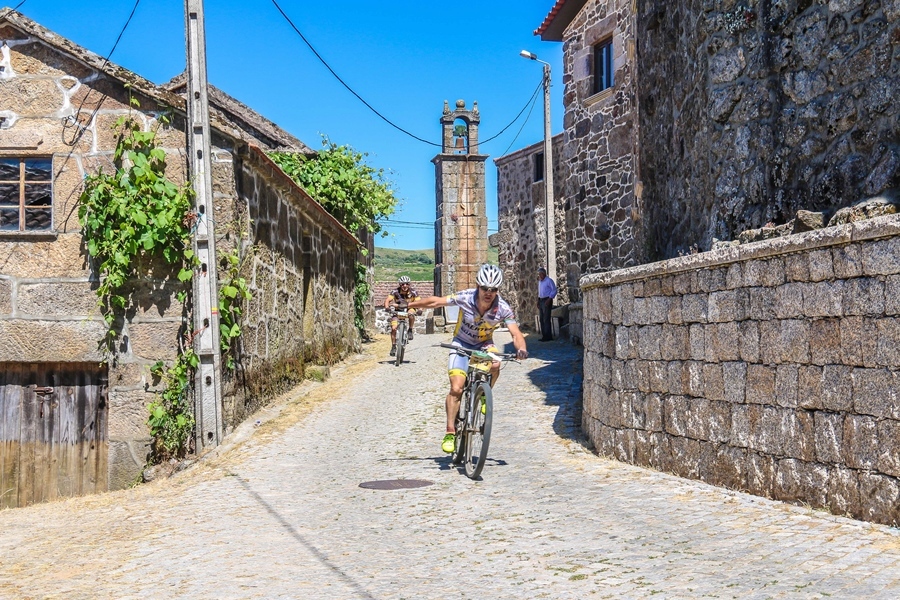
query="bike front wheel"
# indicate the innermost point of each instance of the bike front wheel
(401, 342)
(478, 429)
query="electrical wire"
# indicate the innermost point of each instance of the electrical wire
(343, 83)
(429, 223)
(373, 109)
(82, 129)
(533, 102)
(13, 9)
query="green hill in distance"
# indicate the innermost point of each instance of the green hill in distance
(418, 265)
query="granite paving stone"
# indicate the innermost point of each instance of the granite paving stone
(277, 511)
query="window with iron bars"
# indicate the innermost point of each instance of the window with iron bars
(26, 194)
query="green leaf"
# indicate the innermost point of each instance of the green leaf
(140, 217)
(185, 274)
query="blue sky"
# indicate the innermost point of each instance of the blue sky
(403, 57)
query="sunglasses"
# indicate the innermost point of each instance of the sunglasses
(488, 289)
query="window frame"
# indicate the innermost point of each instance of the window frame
(22, 182)
(538, 166)
(603, 58)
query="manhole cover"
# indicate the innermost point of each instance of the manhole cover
(395, 484)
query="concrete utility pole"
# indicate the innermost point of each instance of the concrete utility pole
(207, 383)
(549, 201)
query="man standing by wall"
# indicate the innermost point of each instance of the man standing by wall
(546, 294)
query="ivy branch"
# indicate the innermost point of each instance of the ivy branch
(134, 216)
(358, 195)
(171, 418)
(232, 293)
(131, 219)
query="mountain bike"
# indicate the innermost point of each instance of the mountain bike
(402, 334)
(476, 409)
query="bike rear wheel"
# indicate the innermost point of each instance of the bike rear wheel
(478, 431)
(401, 342)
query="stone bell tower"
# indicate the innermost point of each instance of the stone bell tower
(460, 229)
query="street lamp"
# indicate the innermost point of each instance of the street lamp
(549, 212)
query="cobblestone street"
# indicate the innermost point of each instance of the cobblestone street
(277, 511)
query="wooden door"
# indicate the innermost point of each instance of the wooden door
(53, 440)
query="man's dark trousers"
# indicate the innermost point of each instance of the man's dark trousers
(545, 305)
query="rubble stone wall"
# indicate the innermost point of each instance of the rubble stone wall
(380, 291)
(601, 187)
(521, 235)
(751, 110)
(771, 367)
(724, 116)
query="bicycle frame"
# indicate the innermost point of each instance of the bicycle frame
(474, 419)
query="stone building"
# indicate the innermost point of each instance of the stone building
(769, 367)
(686, 122)
(521, 236)
(71, 421)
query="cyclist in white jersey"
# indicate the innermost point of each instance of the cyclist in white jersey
(481, 311)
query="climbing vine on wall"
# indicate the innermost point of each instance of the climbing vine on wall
(171, 419)
(232, 292)
(358, 195)
(133, 219)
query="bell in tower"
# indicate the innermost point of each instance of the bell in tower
(461, 234)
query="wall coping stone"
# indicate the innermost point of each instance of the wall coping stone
(840, 235)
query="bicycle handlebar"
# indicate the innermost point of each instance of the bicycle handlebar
(495, 356)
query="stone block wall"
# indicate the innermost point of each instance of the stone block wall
(521, 235)
(771, 367)
(461, 232)
(300, 266)
(57, 107)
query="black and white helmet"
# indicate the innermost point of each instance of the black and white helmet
(489, 276)
(403, 279)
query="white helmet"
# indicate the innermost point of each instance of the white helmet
(403, 279)
(489, 276)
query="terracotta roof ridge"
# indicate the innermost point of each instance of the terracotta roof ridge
(549, 18)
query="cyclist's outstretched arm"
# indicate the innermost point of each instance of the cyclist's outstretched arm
(518, 340)
(429, 302)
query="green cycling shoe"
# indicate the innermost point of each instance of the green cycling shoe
(449, 443)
